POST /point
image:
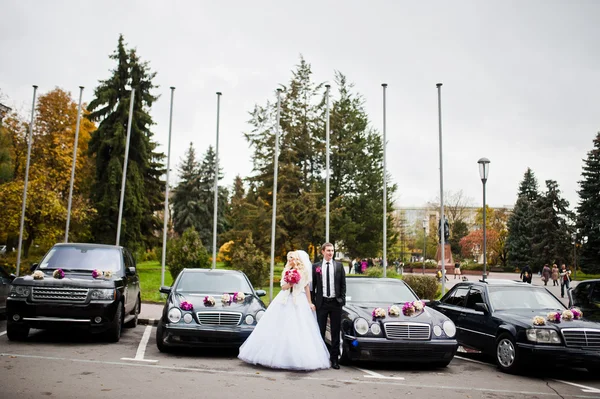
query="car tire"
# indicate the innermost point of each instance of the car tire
(16, 333)
(507, 354)
(440, 365)
(160, 338)
(114, 331)
(136, 312)
(344, 357)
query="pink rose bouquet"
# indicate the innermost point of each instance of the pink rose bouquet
(96, 273)
(577, 313)
(292, 276)
(408, 309)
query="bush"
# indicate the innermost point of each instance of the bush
(249, 259)
(377, 271)
(186, 252)
(426, 287)
(224, 254)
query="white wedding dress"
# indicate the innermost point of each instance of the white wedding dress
(287, 336)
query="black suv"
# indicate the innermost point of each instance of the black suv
(90, 286)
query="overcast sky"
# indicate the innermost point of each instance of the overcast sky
(520, 78)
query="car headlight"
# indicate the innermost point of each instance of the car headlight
(102, 294)
(361, 326)
(543, 336)
(259, 315)
(449, 328)
(249, 319)
(437, 331)
(174, 315)
(188, 318)
(19, 291)
(375, 329)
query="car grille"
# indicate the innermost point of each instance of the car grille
(410, 331)
(582, 337)
(67, 295)
(219, 318)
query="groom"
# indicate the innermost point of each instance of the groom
(329, 295)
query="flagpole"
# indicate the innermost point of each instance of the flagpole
(216, 189)
(327, 166)
(166, 212)
(441, 226)
(124, 178)
(29, 139)
(275, 166)
(384, 85)
(73, 165)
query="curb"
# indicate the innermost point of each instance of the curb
(148, 322)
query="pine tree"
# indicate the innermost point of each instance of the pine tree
(588, 220)
(521, 223)
(143, 185)
(185, 196)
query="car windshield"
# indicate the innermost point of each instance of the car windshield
(525, 297)
(380, 291)
(82, 258)
(213, 282)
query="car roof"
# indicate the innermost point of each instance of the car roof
(372, 280)
(210, 271)
(497, 283)
(86, 245)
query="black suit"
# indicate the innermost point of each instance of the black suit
(330, 307)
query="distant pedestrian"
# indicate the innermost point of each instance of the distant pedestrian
(457, 270)
(526, 274)
(565, 279)
(546, 274)
(554, 275)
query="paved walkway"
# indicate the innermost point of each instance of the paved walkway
(151, 312)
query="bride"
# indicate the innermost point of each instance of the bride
(287, 336)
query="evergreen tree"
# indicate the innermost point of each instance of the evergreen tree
(551, 231)
(185, 195)
(588, 220)
(143, 185)
(521, 223)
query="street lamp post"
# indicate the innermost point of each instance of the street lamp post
(484, 170)
(424, 242)
(574, 237)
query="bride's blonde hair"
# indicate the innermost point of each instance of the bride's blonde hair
(298, 262)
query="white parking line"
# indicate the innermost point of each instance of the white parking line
(583, 387)
(473, 360)
(141, 351)
(372, 374)
(2, 333)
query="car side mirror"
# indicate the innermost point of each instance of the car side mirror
(482, 307)
(12, 277)
(130, 271)
(570, 296)
(261, 292)
(33, 267)
(165, 290)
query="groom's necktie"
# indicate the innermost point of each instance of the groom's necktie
(328, 281)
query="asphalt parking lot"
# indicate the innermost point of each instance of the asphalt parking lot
(75, 365)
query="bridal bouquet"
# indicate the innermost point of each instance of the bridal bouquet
(292, 276)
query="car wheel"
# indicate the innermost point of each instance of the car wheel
(16, 333)
(594, 370)
(136, 312)
(114, 332)
(507, 354)
(344, 357)
(160, 338)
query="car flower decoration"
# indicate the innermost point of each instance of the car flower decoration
(577, 313)
(38, 275)
(226, 298)
(58, 273)
(239, 297)
(394, 310)
(378, 313)
(567, 315)
(209, 301)
(108, 274)
(186, 306)
(96, 273)
(539, 321)
(418, 305)
(554, 316)
(408, 309)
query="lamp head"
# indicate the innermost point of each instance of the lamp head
(424, 223)
(484, 169)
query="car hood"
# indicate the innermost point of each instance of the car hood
(197, 301)
(365, 310)
(82, 279)
(525, 317)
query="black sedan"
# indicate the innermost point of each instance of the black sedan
(384, 320)
(586, 296)
(518, 323)
(209, 308)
